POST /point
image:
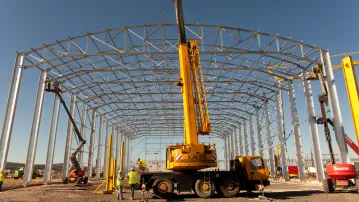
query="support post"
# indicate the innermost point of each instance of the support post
(70, 128)
(10, 110)
(128, 151)
(296, 130)
(259, 133)
(269, 139)
(251, 130)
(283, 149)
(240, 139)
(83, 133)
(36, 119)
(99, 148)
(335, 108)
(52, 140)
(118, 148)
(235, 134)
(114, 134)
(92, 142)
(246, 146)
(106, 145)
(232, 144)
(225, 151)
(313, 127)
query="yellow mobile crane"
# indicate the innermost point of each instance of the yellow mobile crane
(186, 159)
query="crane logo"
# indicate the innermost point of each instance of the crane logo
(340, 169)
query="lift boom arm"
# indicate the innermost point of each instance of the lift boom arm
(73, 158)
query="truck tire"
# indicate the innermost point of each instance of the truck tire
(79, 180)
(328, 185)
(163, 188)
(229, 189)
(85, 180)
(65, 181)
(204, 188)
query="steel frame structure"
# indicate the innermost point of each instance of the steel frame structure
(125, 76)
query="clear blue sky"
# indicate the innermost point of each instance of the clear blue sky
(24, 24)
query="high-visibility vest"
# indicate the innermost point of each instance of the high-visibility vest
(133, 177)
(2, 177)
(143, 164)
(119, 181)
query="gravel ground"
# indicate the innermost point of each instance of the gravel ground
(291, 191)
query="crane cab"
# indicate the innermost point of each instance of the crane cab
(254, 167)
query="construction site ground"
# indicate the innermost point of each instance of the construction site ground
(291, 191)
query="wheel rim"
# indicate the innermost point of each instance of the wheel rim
(230, 186)
(163, 187)
(205, 186)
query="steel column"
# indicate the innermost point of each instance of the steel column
(232, 143)
(283, 149)
(118, 148)
(83, 133)
(128, 152)
(10, 110)
(335, 108)
(259, 133)
(235, 133)
(246, 146)
(269, 138)
(36, 119)
(313, 127)
(70, 128)
(52, 140)
(296, 130)
(99, 148)
(114, 137)
(240, 139)
(92, 143)
(251, 130)
(225, 152)
(106, 146)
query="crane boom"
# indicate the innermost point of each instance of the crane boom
(191, 155)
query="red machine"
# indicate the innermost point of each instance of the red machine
(338, 175)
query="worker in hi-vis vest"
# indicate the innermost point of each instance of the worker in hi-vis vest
(2, 177)
(132, 181)
(142, 165)
(119, 183)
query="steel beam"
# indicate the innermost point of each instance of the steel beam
(118, 147)
(251, 130)
(52, 140)
(92, 143)
(99, 149)
(114, 127)
(335, 108)
(226, 151)
(259, 133)
(240, 139)
(245, 132)
(129, 153)
(106, 146)
(313, 127)
(31, 151)
(70, 128)
(296, 130)
(283, 149)
(235, 134)
(83, 132)
(269, 139)
(10, 109)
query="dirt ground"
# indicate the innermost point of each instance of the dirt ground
(277, 191)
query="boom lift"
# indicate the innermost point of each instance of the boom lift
(338, 175)
(186, 159)
(78, 174)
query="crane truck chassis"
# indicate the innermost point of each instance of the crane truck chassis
(246, 173)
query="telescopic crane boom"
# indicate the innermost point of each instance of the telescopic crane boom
(191, 155)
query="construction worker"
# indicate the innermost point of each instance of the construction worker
(132, 181)
(120, 185)
(48, 82)
(2, 177)
(142, 165)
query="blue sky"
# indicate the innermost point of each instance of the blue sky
(25, 24)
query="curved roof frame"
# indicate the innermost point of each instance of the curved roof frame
(127, 73)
